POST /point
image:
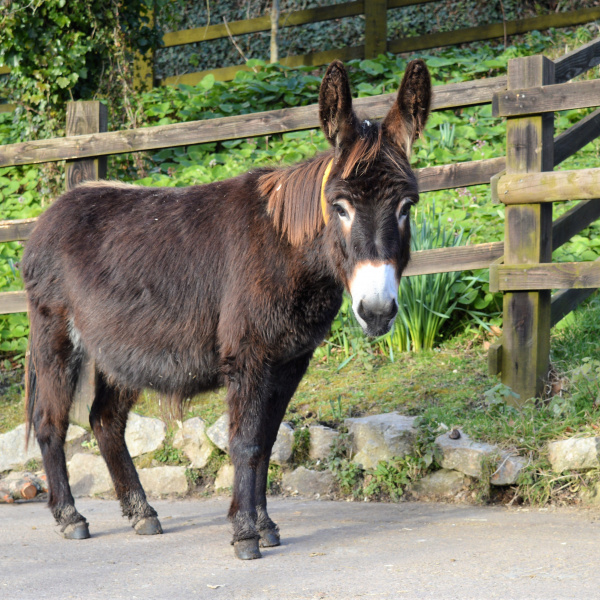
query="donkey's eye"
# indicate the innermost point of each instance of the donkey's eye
(341, 211)
(404, 208)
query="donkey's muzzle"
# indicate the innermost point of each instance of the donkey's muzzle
(378, 315)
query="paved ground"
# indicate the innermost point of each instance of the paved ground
(331, 550)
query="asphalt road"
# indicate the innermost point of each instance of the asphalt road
(330, 550)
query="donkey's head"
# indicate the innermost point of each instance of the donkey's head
(368, 189)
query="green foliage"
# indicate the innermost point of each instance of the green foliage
(168, 454)
(499, 394)
(301, 445)
(58, 53)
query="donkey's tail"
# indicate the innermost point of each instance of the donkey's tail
(30, 388)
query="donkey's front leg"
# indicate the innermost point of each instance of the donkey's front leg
(284, 381)
(246, 397)
(245, 450)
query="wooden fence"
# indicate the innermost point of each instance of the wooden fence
(376, 35)
(520, 266)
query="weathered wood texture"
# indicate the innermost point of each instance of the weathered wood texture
(407, 44)
(573, 221)
(527, 240)
(375, 28)
(7, 107)
(12, 302)
(495, 358)
(460, 258)
(291, 19)
(559, 186)
(16, 229)
(84, 118)
(536, 100)
(576, 137)
(550, 276)
(227, 128)
(577, 61)
(565, 301)
(497, 30)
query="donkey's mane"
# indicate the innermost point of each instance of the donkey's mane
(294, 193)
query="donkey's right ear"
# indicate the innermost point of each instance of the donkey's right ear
(338, 121)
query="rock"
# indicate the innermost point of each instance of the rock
(590, 496)
(282, 448)
(308, 483)
(218, 433)
(465, 455)
(224, 477)
(75, 433)
(321, 439)
(508, 469)
(440, 484)
(380, 437)
(191, 438)
(164, 481)
(574, 453)
(144, 434)
(88, 475)
(12, 449)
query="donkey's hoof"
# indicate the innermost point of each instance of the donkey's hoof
(269, 538)
(148, 526)
(247, 549)
(76, 531)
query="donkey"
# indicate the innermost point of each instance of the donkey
(233, 283)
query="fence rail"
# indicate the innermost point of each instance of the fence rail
(520, 266)
(376, 41)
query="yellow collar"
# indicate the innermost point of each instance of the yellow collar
(323, 199)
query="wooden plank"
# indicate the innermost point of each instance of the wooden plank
(576, 137)
(495, 359)
(315, 59)
(545, 276)
(4, 108)
(565, 301)
(227, 128)
(577, 61)
(527, 239)
(580, 184)
(573, 221)
(12, 302)
(496, 30)
(551, 98)
(291, 19)
(375, 28)
(13, 230)
(4, 70)
(459, 258)
(456, 175)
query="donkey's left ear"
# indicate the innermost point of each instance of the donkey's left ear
(338, 121)
(406, 120)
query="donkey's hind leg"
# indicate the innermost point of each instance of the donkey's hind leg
(52, 370)
(108, 418)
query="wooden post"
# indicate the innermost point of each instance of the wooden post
(528, 239)
(85, 117)
(375, 28)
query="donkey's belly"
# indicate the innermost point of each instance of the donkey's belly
(180, 373)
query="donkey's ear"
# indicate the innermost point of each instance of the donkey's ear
(406, 119)
(338, 120)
